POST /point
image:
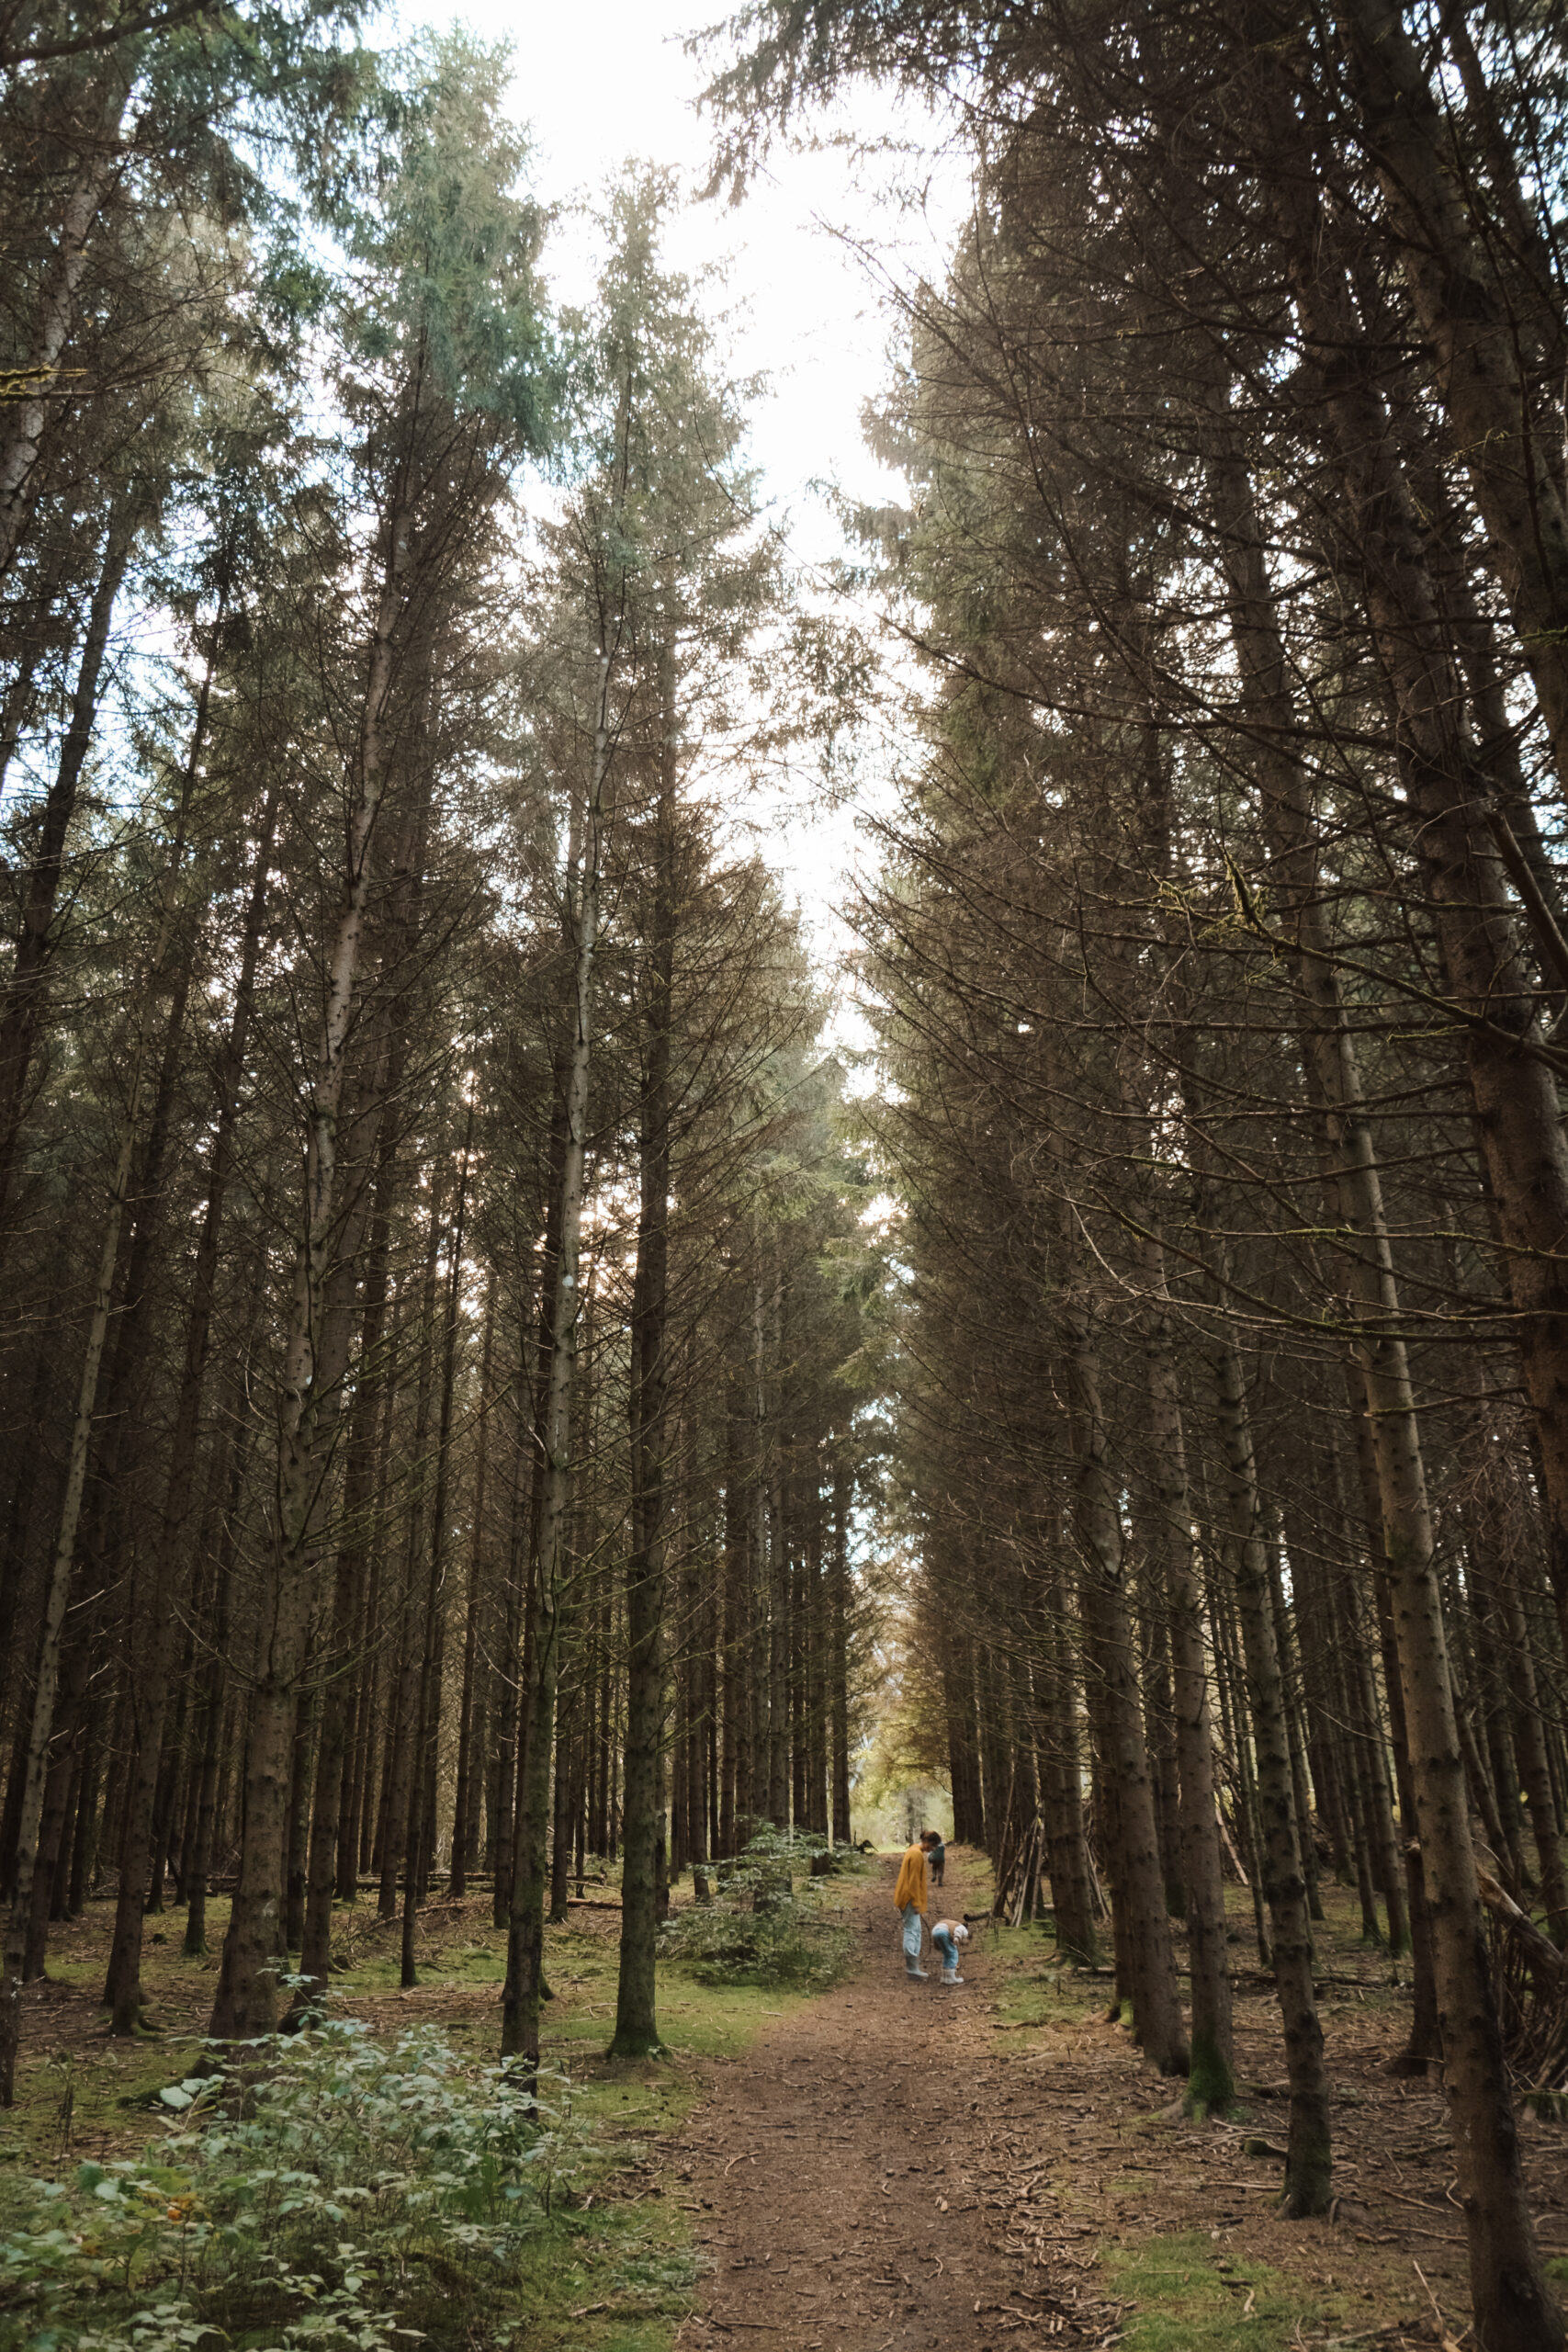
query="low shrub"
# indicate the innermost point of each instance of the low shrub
(759, 1930)
(321, 2193)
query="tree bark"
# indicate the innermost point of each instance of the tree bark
(526, 1925)
(102, 113)
(464, 1810)
(421, 1838)
(1473, 330)
(636, 2024)
(1308, 2164)
(245, 2003)
(361, 1455)
(58, 1584)
(839, 1654)
(159, 1629)
(1521, 1138)
(23, 1014)
(1156, 2006)
(1212, 2075)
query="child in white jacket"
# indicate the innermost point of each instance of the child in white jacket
(946, 1936)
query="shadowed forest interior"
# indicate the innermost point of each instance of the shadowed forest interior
(567, 1376)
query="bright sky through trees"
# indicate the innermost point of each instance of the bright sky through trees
(598, 84)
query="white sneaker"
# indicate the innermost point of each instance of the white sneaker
(951, 1980)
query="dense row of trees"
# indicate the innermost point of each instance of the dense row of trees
(1219, 962)
(419, 1186)
(430, 1266)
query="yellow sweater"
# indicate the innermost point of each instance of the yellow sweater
(911, 1886)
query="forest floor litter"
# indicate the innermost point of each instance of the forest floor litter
(900, 2166)
(890, 2165)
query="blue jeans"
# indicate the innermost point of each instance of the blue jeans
(948, 1948)
(912, 1925)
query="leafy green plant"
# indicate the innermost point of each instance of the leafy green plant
(760, 1930)
(309, 2198)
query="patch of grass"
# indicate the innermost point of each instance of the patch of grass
(708, 2020)
(619, 2281)
(90, 2101)
(1183, 2302)
(1031, 1987)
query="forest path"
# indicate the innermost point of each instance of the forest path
(844, 2214)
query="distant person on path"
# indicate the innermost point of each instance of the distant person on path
(909, 1899)
(936, 1855)
(946, 1936)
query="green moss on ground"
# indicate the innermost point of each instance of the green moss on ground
(1188, 2296)
(1032, 1988)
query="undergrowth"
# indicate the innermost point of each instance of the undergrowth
(759, 1928)
(325, 2193)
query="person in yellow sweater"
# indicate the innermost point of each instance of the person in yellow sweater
(909, 1898)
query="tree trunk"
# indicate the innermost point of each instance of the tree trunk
(157, 1632)
(1521, 1139)
(637, 2025)
(371, 1398)
(1212, 2077)
(526, 1925)
(1308, 2164)
(1529, 1740)
(1156, 2006)
(102, 111)
(838, 1656)
(234, 1461)
(39, 889)
(58, 1584)
(245, 2003)
(1474, 328)
(463, 1809)
(421, 1840)
(296, 1844)
(1057, 1744)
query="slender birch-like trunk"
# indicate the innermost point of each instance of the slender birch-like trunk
(464, 1812)
(839, 1654)
(538, 1325)
(421, 1819)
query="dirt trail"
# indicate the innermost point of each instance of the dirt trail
(845, 2213)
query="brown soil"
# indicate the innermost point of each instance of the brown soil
(842, 2176)
(895, 2167)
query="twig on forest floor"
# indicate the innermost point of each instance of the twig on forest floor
(1449, 2342)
